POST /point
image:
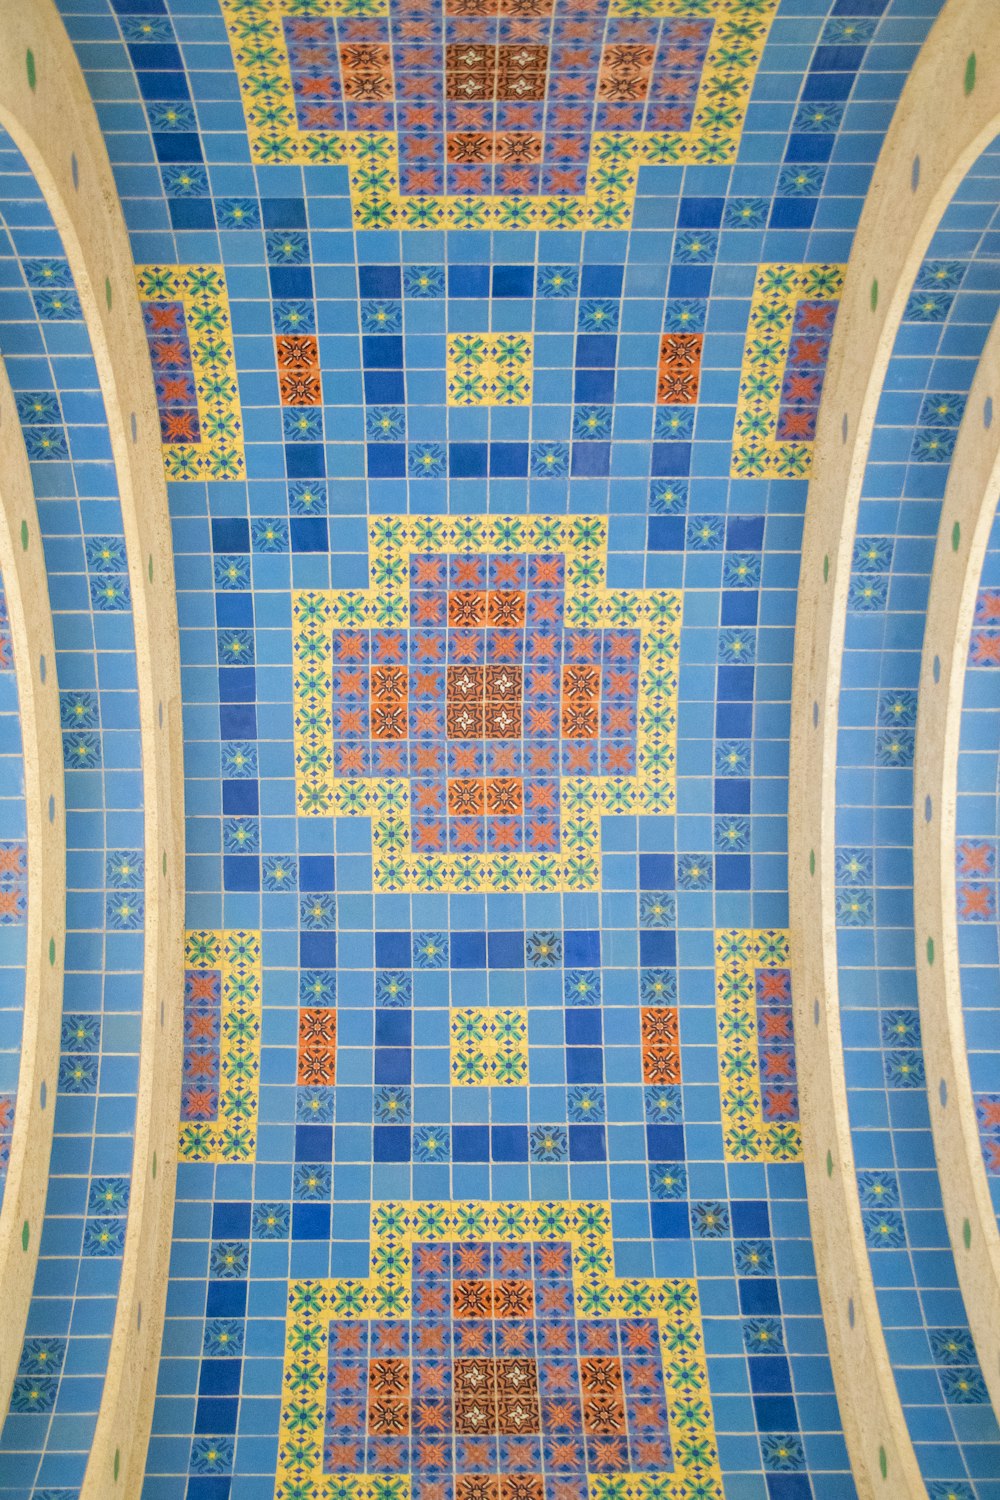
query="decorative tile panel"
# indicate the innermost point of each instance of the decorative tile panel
(490, 369)
(539, 118)
(757, 1078)
(221, 1079)
(784, 364)
(485, 701)
(494, 1342)
(186, 314)
(489, 1046)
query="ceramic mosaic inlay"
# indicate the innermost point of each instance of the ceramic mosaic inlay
(221, 1080)
(493, 1349)
(784, 363)
(535, 114)
(186, 315)
(484, 701)
(757, 1077)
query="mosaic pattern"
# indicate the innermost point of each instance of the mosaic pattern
(485, 701)
(490, 370)
(784, 364)
(185, 310)
(494, 1342)
(757, 1078)
(221, 1080)
(489, 1046)
(535, 118)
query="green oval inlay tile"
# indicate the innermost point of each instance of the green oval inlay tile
(107, 291)
(151, 567)
(25, 1235)
(829, 1164)
(812, 861)
(930, 950)
(154, 1166)
(24, 535)
(164, 861)
(118, 1459)
(826, 568)
(52, 950)
(883, 1463)
(874, 294)
(956, 536)
(968, 82)
(29, 65)
(966, 1234)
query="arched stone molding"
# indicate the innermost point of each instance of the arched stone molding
(46, 108)
(967, 517)
(948, 113)
(22, 564)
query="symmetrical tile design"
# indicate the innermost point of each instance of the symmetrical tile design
(489, 1046)
(490, 370)
(186, 313)
(222, 998)
(784, 362)
(484, 701)
(535, 118)
(494, 1342)
(757, 1078)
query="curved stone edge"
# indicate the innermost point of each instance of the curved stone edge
(26, 587)
(948, 113)
(967, 516)
(46, 107)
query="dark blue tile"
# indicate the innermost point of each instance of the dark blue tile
(318, 950)
(584, 1064)
(669, 459)
(226, 1299)
(305, 460)
(587, 1143)
(393, 1065)
(582, 947)
(231, 1221)
(758, 1296)
(513, 281)
(283, 213)
(391, 1143)
(468, 460)
(509, 1142)
(241, 872)
(583, 1028)
(468, 950)
(290, 281)
(505, 950)
(314, 1143)
(601, 281)
(220, 1377)
(470, 1143)
(386, 460)
(751, 1219)
(469, 281)
(392, 950)
(393, 1028)
(670, 1221)
(230, 534)
(508, 460)
(310, 1221)
(700, 213)
(732, 794)
(308, 534)
(657, 948)
(316, 872)
(216, 1414)
(594, 387)
(665, 533)
(656, 872)
(379, 281)
(665, 1142)
(591, 460)
(241, 798)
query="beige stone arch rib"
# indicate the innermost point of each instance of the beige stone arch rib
(26, 587)
(948, 113)
(967, 515)
(46, 107)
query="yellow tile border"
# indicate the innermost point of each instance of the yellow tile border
(758, 452)
(589, 603)
(746, 1135)
(201, 291)
(232, 1136)
(734, 53)
(598, 1293)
